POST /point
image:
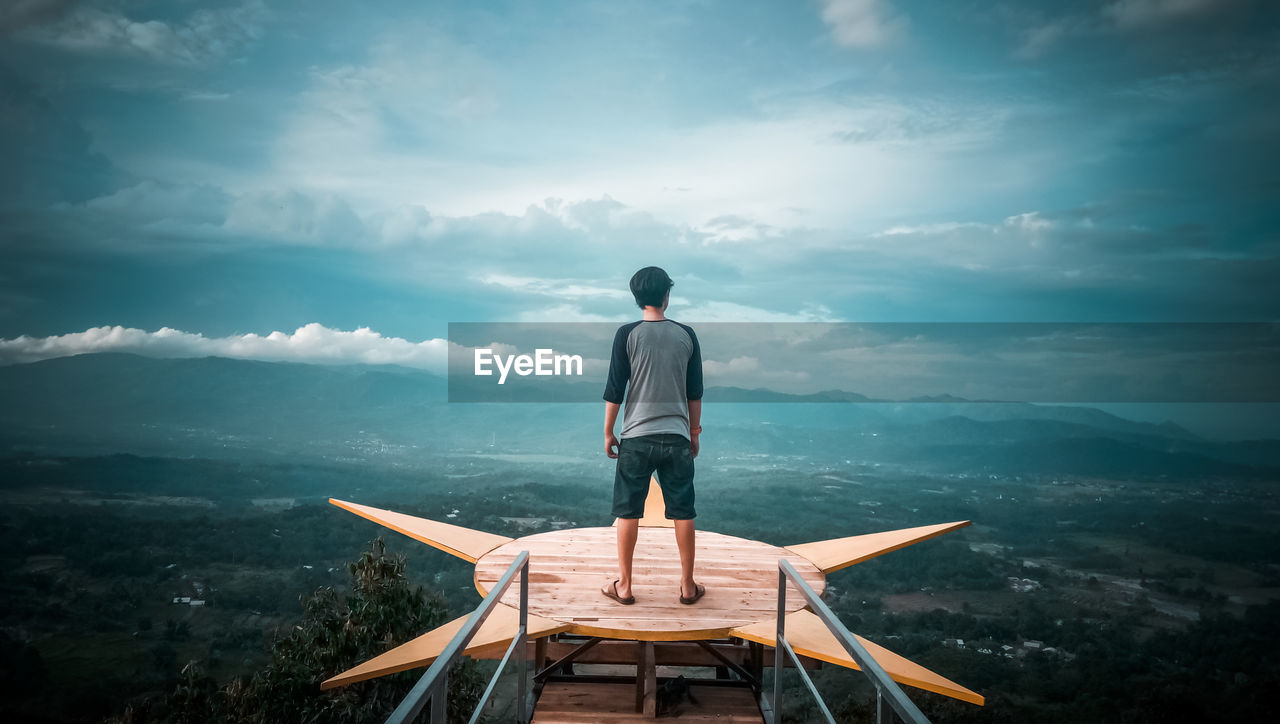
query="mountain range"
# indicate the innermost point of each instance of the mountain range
(222, 407)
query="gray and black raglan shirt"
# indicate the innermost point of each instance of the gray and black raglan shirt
(663, 364)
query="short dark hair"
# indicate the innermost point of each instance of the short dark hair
(649, 286)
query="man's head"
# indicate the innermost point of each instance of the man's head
(650, 286)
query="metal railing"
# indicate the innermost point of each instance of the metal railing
(433, 687)
(887, 690)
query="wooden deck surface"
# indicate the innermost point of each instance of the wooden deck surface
(579, 702)
(568, 567)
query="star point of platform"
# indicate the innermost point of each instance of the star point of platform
(567, 568)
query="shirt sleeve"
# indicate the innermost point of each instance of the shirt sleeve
(693, 375)
(619, 367)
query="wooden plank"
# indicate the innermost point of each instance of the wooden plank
(674, 653)
(568, 567)
(809, 636)
(497, 630)
(832, 555)
(569, 702)
(666, 653)
(465, 543)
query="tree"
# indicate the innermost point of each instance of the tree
(336, 633)
(381, 612)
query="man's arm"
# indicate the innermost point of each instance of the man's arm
(693, 391)
(610, 417)
(695, 424)
(615, 386)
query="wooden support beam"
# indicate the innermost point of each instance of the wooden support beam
(650, 674)
(539, 653)
(465, 543)
(832, 555)
(617, 652)
(497, 630)
(809, 636)
(640, 664)
(565, 663)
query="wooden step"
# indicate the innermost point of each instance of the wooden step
(572, 702)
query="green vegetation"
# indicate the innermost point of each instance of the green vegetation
(1153, 596)
(336, 632)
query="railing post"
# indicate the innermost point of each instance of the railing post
(779, 663)
(433, 688)
(522, 664)
(889, 696)
(440, 699)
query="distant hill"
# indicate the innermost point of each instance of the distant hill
(108, 403)
(1090, 456)
(739, 394)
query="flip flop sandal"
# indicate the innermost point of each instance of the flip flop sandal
(612, 592)
(701, 591)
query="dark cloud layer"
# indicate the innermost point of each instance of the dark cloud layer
(1109, 161)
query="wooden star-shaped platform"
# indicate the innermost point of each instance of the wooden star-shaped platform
(568, 567)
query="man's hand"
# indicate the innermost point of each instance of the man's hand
(693, 445)
(610, 445)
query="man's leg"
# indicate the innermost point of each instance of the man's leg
(628, 531)
(685, 542)
(630, 484)
(675, 475)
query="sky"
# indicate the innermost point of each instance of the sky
(336, 181)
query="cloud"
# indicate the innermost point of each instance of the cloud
(383, 133)
(561, 288)
(1030, 221)
(1087, 244)
(404, 224)
(296, 217)
(150, 201)
(749, 372)
(517, 265)
(717, 311)
(18, 14)
(737, 228)
(153, 215)
(1120, 15)
(568, 313)
(1038, 40)
(411, 120)
(49, 156)
(313, 343)
(596, 215)
(1139, 13)
(861, 23)
(207, 35)
(930, 229)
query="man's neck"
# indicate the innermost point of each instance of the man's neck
(653, 314)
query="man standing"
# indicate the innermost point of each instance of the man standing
(661, 360)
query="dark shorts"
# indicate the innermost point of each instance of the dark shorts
(640, 457)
